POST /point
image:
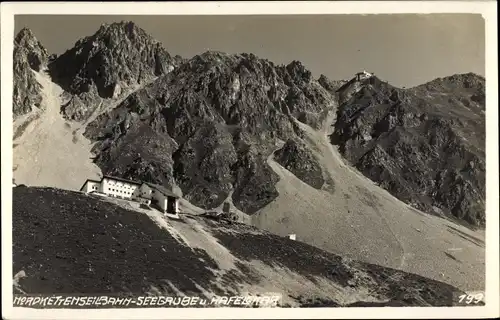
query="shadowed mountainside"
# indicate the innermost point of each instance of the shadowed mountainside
(208, 124)
(213, 121)
(83, 240)
(297, 158)
(237, 128)
(29, 54)
(102, 66)
(425, 145)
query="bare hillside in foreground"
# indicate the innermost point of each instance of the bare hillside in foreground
(69, 242)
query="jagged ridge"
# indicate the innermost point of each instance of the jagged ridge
(210, 125)
(225, 113)
(29, 55)
(117, 56)
(425, 144)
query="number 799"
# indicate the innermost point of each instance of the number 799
(471, 298)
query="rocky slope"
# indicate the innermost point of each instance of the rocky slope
(331, 85)
(29, 55)
(296, 157)
(82, 240)
(241, 129)
(208, 124)
(212, 121)
(47, 151)
(425, 145)
(102, 66)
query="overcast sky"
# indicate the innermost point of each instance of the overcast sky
(405, 50)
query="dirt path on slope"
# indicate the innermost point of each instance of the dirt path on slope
(363, 221)
(47, 153)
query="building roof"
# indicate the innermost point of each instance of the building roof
(159, 188)
(122, 180)
(162, 190)
(365, 73)
(91, 180)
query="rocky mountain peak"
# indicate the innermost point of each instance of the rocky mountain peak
(214, 54)
(211, 124)
(116, 56)
(418, 141)
(123, 30)
(27, 45)
(29, 55)
(362, 84)
(298, 71)
(330, 85)
(456, 81)
(24, 33)
(211, 58)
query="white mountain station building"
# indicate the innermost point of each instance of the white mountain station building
(143, 192)
(363, 75)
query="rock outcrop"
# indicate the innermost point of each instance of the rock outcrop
(208, 124)
(296, 157)
(29, 55)
(103, 65)
(425, 145)
(225, 113)
(331, 85)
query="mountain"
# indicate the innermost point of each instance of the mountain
(239, 129)
(29, 55)
(296, 157)
(71, 243)
(331, 85)
(209, 125)
(103, 65)
(425, 145)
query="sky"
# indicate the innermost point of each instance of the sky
(405, 50)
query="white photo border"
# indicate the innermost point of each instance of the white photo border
(488, 10)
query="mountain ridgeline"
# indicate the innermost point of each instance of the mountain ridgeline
(117, 56)
(209, 124)
(425, 145)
